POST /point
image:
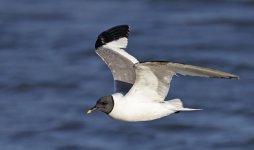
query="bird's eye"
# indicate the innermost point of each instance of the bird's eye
(103, 103)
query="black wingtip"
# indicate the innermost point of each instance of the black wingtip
(112, 34)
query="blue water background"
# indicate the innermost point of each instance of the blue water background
(50, 74)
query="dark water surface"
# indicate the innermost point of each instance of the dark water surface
(50, 74)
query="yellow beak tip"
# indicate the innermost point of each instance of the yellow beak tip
(89, 111)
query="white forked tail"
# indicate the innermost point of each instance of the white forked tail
(179, 105)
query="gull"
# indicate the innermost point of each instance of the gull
(140, 88)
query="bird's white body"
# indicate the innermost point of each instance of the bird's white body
(137, 109)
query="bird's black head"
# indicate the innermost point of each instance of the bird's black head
(104, 104)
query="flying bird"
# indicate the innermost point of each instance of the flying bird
(140, 88)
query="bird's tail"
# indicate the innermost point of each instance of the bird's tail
(179, 105)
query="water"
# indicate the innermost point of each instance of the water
(50, 74)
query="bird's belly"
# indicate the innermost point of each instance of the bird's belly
(140, 112)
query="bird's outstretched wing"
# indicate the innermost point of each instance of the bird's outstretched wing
(110, 46)
(153, 78)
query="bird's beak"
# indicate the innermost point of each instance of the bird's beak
(91, 110)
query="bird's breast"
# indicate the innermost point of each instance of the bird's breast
(139, 111)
